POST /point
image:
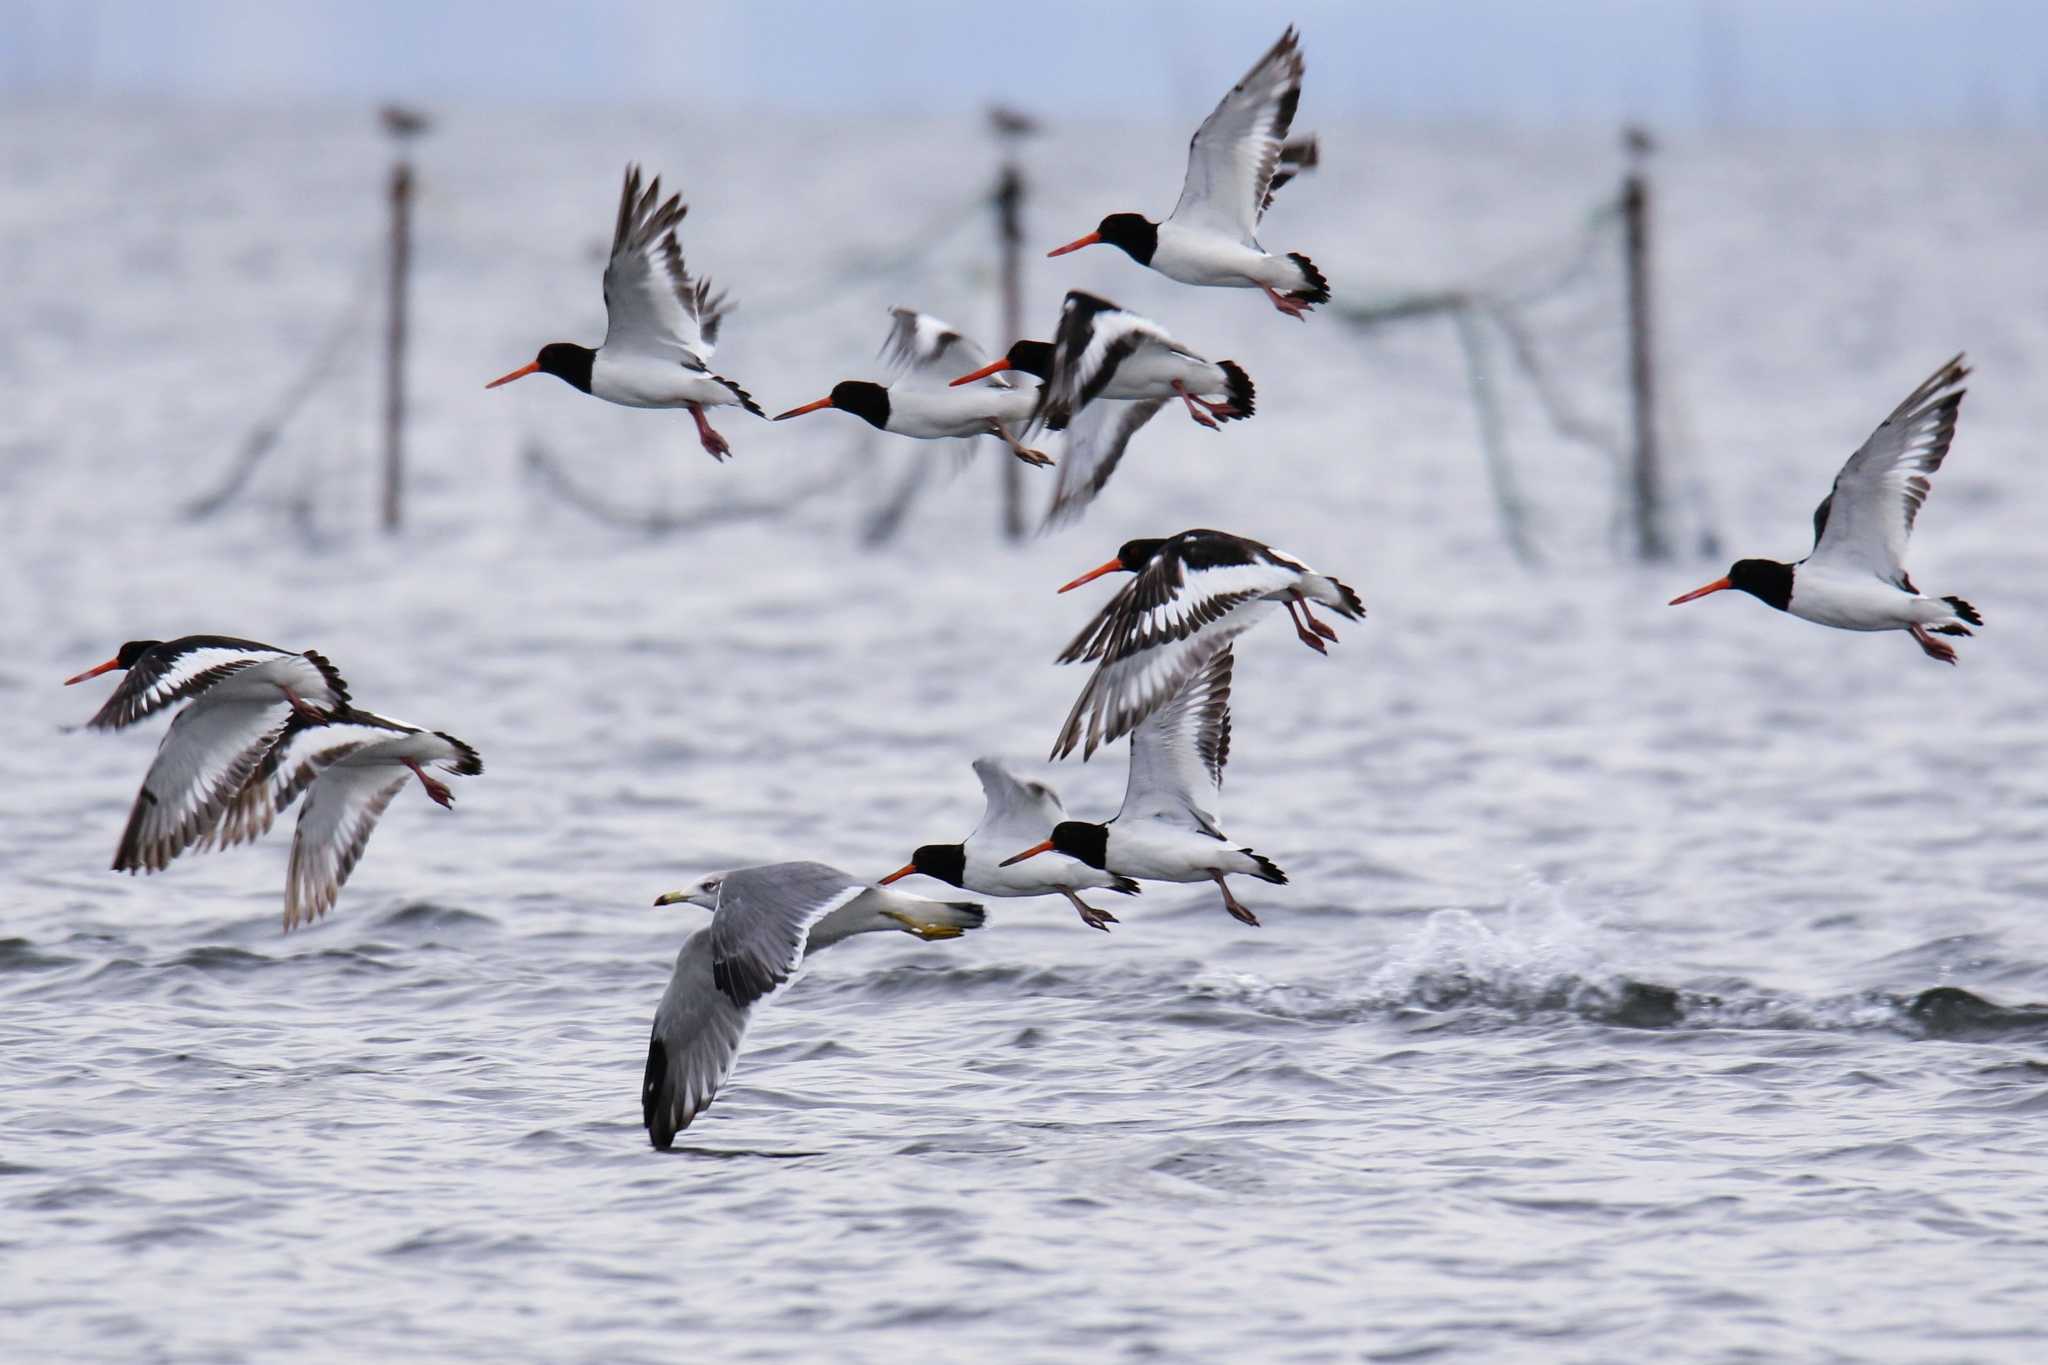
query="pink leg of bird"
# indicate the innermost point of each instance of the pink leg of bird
(1935, 648)
(1090, 916)
(715, 444)
(1298, 311)
(1308, 637)
(302, 706)
(1194, 411)
(1017, 448)
(1231, 903)
(1313, 624)
(436, 788)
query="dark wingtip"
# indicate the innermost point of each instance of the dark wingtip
(656, 1104)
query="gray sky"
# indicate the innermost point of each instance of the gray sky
(1973, 63)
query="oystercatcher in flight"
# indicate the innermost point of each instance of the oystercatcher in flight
(1166, 829)
(1193, 594)
(920, 402)
(1855, 576)
(1237, 160)
(350, 766)
(1105, 374)
(243, 696)
(662, 323)
(1014, 812)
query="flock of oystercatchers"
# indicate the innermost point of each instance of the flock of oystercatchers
(264, 726)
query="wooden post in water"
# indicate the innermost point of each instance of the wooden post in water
(402, 124)
(1646, 478)
(1011, 127)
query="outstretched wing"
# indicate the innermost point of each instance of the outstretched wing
(926, 352)
(1178, 752)
(696, 1039)
(1866, 518)
(340, 812)
(763, 920)
(205, 758)
(1096, 440)
(1094, 340)
(653, 305)
(288, 767)
(175, 670)
(1028, 810)
(1156, 634)
(1234, 155)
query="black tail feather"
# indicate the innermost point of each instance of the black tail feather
(1318, 290)
(1269, 871)
(1124, 886)
(1238, 390)
(1964, 610)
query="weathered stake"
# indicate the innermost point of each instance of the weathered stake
(1646, 481)
(394, 343)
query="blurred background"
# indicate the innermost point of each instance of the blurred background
(1676, 63)
(1597, 1000)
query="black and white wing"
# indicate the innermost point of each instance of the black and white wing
(340, 812)
(1235, 155)
(1157, 632)
(1095, 338)
(1178, 753)
(928, 353)
(1302, 154)
(696, 1039)
(653, 305)
(1866, 518)
(175, 670)
(206, 756)
(288, 767)
(1096, 440)
(764, 917)
(1014, 807)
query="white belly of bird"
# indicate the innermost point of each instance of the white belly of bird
(935, 414)
(1158, 851)
(1860, 602)
(1153, 376)
(1045, 875)
(645, 381)
(1193, 256)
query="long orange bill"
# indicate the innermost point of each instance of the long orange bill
(1113, 566)
(1031, 852)
(114, 662)
(1714, 586)
(524, 370)
(1090, 240)
(898, 875)
(994, 367)
(825, 402)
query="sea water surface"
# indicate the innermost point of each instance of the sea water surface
(1651, 982)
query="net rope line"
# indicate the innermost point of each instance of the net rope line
(321, 366)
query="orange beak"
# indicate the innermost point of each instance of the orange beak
(1112, 567)
(898, 875)
(994, 367)
(114, 662)
(824, 402)
(1714, 586)
(520, 373)
(1090, 240)
(1031, 852)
